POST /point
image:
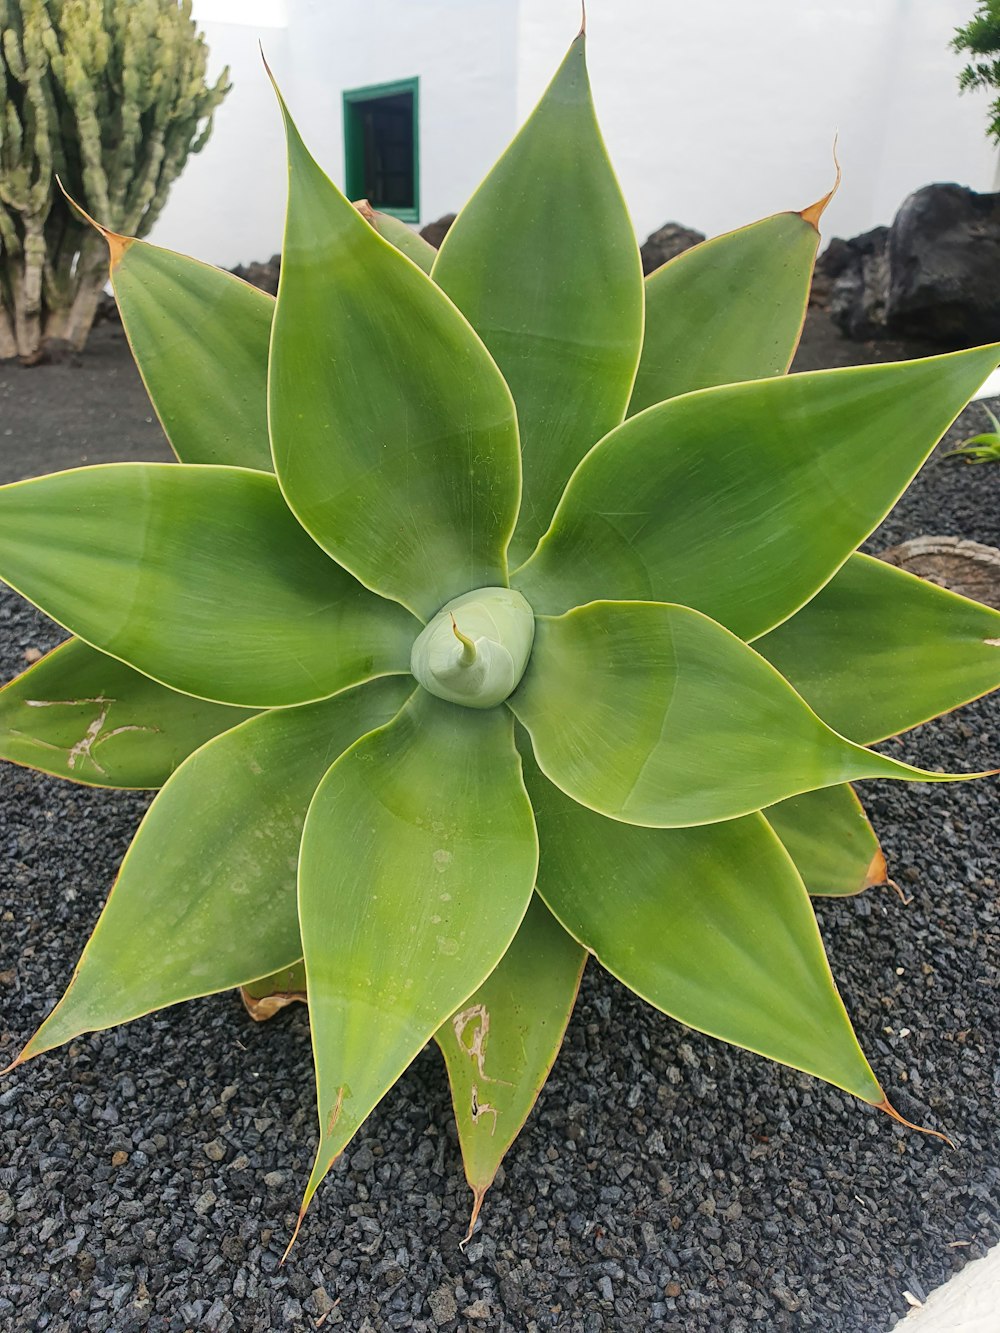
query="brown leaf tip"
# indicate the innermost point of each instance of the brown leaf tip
(117, 244)
(890, 1110)
(478, 1195)
(815, 211)
(878, 871)
(17, 1060)
(583, 19)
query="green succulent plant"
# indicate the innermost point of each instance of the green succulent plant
(487, 621)
(983, 448)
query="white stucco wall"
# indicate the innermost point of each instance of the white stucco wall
(711, 121)
(464, 53)
(717, 115)
(228, 205)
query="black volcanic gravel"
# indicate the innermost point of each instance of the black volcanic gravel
(150, 1176)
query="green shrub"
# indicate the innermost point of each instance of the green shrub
(112, 99)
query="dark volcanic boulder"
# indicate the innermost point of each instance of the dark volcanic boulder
(264, 276)
(944, 263)
(671, 240)
(855, 277)
(435, 232)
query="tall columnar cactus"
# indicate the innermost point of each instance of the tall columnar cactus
(112, 99)
(487, 621)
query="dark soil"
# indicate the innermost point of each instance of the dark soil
(150, 1176)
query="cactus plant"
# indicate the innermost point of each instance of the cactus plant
(111, 99)
(487, 621)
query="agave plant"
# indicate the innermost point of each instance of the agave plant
(501, 609)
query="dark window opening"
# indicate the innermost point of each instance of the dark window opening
(380, 142)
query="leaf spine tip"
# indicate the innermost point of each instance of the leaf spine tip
(478, 1195)
(117, 244)
(295, 1234)
(886, 1106)
(18, 1060)
(815, 211)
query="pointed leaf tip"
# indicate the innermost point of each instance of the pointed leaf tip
(583, 23)
(295, 1234)
(478, 1195)
(117, 244)
(886, 1106)
(878, 872)
(19, 1059)
(815, 211)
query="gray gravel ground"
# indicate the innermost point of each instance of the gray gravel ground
(150, 1176)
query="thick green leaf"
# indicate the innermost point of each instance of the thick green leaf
(878, 650)
(82, 715)
(544, 262)
(205, 898)
(742, 501)
(394, 436)
(397, 233)
(656, 715)
(199, 577)
(711, 925)
(728, 310)
(199, 337)
(828, 836)
(502, 1042)
(418, 862)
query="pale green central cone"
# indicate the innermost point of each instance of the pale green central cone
(475, 649)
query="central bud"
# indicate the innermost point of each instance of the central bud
(476, 648)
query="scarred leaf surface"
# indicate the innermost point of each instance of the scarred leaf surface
(206, 896)
(82, 715)
(502, 1042)
(418, 862)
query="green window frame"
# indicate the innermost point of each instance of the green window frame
(357, 148)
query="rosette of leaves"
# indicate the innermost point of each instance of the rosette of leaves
(501, 609)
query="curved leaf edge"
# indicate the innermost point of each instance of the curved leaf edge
(859, 371)
(932, 717)
(776, 842)
(293, 136)
(321, 1169)
(480, 1188)
(27, 1053)
(903, 772)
